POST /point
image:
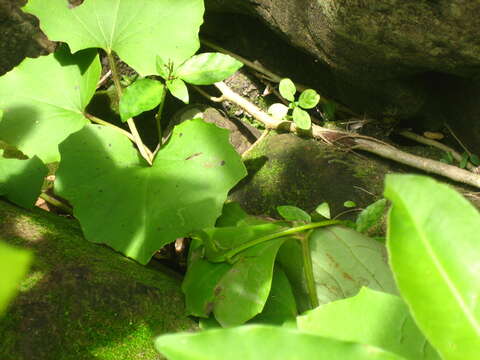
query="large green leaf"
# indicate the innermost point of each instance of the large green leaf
(243, 291)
(343, 261)
(43, 101)
(135, 208)
(260, 342)
(137, 30)
(21, 180)
(280, 307)
(433, 243)
(372, 318)
(208, 68)
(14, 264)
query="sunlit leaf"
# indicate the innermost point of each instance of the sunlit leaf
(136, 208)
(324, 210)
(434, 249)
(287, 89)
(301, 118)
(178, 88)
(308, 99)
(14, 264)
(372, 318)
(141, 96)
(43, 101)
(21, 180)
(136, 30)
(208, 68)
(260, 342)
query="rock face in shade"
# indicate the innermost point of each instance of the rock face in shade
(19, 35)
(408, 59)
(82, 301)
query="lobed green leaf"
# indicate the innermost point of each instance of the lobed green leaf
(287, 89)
(308, 99)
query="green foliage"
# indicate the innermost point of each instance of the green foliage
(135, 208)
(293, 213)
(372, 318)
(136, 30)
(263, 342)
(21, 180)
(44, 99)
(141, 96)
(434, 251)
(324, 210)
(14, 264)
(308, 100)
(371, 215)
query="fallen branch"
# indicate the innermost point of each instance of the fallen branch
(350, 140)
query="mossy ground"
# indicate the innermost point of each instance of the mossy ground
(82, 300)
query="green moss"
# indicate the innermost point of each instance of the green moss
(82, 300)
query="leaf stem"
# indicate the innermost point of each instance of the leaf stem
(158, 117)
(290, 231)
(57, 203)
(308, 269)
(131, 124)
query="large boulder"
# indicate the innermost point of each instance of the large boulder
(82, 301)
(388, 57)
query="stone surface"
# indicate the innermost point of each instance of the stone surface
(387, 57)
(83, 301)
(19, 35)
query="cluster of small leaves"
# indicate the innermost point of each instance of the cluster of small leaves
(432, 246)
(308, 99)
(466, 158)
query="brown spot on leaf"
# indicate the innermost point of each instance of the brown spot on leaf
(193, 156)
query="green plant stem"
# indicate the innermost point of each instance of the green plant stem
(158, 118)
(308, 269)
(291, 231)
(131, 124)
(57, 203)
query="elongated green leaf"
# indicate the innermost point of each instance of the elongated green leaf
(137, 30)
(343, 262)
(135, 208)
(308, 99)
(287, 89)
(142, 95)
(371, 215)
(21, 180)
(301, 118)
(293, 213)
(43, 101)
(200, 281)
(243, 290)
(208, 68)
(433, 243)
(260, 342)
(14, 264)
(178, 88)
(280, 307)
(232, 213)
(372, 318)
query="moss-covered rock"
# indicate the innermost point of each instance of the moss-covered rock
(82, 300)
(285, 169)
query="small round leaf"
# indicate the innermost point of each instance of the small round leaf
(287, 89)
(308, 99)
(208, 68)
(141, 96)
(349, 204)
(278, 111)
(302, 119)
